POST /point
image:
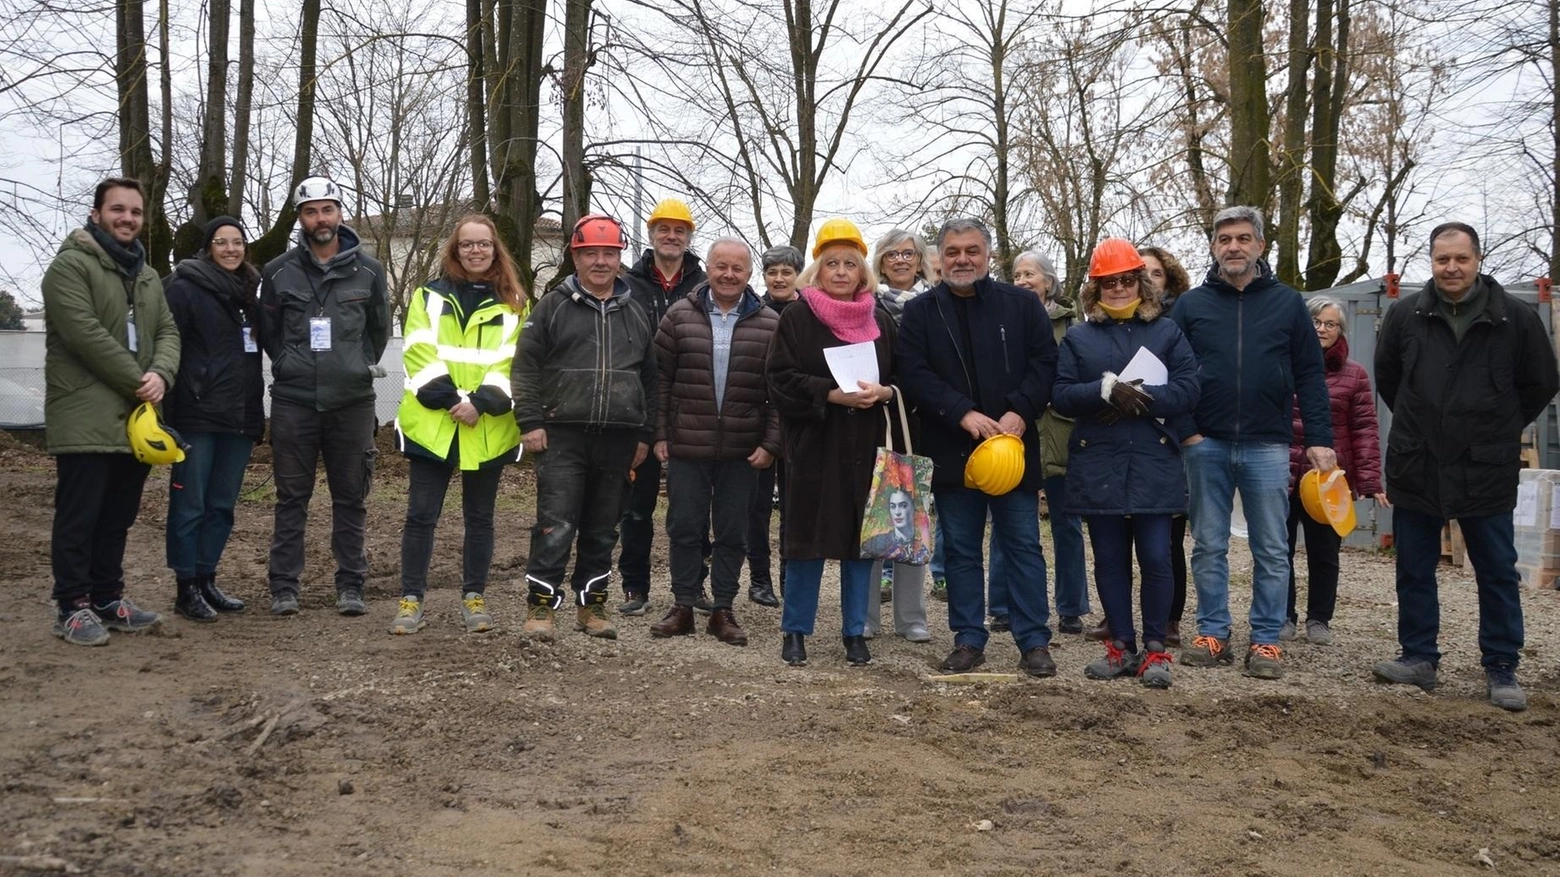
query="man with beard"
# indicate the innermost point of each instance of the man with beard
(326, 321)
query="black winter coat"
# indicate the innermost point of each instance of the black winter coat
(1011, 368)
(220, 387)
(651, 295)
(1458, 410)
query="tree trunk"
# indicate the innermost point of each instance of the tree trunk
(477, 26)
(576, 59)
(1292, 159)
(1325, 258)
(242, 107)
(999, 117)
(1554, 132)
(276, 240)
(208, 194)
(1250, 171)
(804, 72)
(516, 120)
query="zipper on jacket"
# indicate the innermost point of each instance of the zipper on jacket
(1002, 333)
(1240, 354)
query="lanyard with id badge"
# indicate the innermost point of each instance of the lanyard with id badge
(319, 325)
(247, 332)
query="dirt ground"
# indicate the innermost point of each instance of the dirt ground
(320, 745)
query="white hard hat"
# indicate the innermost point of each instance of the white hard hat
(316, 189)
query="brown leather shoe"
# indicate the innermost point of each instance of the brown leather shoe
(1173, 634)
(724, 627)
(678, 622)
(1101, 633)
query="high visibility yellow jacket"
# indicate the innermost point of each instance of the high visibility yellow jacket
(458, 347)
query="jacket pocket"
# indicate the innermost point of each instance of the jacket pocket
(1492, 471)
(1404, 466)
(352, 313)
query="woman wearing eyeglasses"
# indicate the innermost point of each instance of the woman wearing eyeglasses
(1358, 444)
(461, 332)
(1124, 473)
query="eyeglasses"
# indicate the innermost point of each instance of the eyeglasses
(1331, 325)
(227, 242)
(479, 246)
(1126, 282)
(899, 255)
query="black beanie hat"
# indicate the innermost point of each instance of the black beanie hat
(221, 222)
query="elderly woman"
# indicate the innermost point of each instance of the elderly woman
(1124, 473)
(836, 432)
(1358, 444)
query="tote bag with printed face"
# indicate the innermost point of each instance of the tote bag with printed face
(898, 524)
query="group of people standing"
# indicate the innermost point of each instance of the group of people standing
(1142, 406)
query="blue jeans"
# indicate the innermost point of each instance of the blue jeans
(1493, 553)
(1015, 524)
(1113, 538)
(1215, 469)
(803, 579)
(202, 492)
(1072, 577)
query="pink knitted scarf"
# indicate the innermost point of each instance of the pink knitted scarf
(851, 321)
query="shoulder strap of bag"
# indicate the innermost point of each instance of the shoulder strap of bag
(904, 424)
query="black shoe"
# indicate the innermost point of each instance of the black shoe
(963, 659)
(856, 653)
(284, 603)
(215, 598)
(793, 650)
(1070, 624)
(191, 602)
(350, 603)
(1001, 624)
(1037, 662)
(763, 595)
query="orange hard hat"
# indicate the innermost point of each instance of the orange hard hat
(1114, 256)
(598, 230)
(1328, 500)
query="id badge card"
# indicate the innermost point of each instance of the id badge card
(319, 333)
(249, 339)
(130, 333)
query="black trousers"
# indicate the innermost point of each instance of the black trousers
(1322, 543)
(581, 485)
(1177, 567)
(639, 526)
(300, 438)
(701, 495)
(96, 500)
(761, 508)
(429, 482)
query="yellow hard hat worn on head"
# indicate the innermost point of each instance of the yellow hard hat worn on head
(1328, 500)
(839, 231)
(673, 209)
(150, 441)
(996, 465)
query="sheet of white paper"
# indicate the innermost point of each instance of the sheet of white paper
(852, 363)
(1526, 514)
(1147, 366)
(1554, 508)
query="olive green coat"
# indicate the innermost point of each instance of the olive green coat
(1055, 429)
(90, 374)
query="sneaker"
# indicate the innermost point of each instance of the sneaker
(963, 659)
(538, 624)
(473, 611)
(1501, 683)
(1038, 662)
(285, 603)
(1317, 633)
(1070, 624)
(1117, 662)
(124, 615)
(1265, 662)
(1207, 651)
(81, 628)
(1154, 672)
(1287, 632)
(1406, 671)
(350, 603)
(939, 589)
(593, 621)
(634, 603)
(917, 633)
(886, 589)
(1001, 624)
(408, 616)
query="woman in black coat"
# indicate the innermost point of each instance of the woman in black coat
(1124, 474)
(216, 407)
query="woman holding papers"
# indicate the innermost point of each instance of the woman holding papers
(836, 432)
(1124, 374)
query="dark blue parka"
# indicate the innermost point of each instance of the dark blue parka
(1011, 368)
(1132, 466)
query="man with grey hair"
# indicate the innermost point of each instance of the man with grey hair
(715, 427)
(1257, 348)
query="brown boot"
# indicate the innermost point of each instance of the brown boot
(538, 623)
(1101, 633)
(678, 622)
(724, 627)
(593, 620)
(1173, 633)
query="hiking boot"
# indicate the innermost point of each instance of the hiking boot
(1317, 633)
(408, 616)
(634, 603)
(1101, 632)
(473, 611)
(124, 615)
(724, 627)
(593, 620)
(856, 652)
(214, 596)
(1207, 651)
(1406, 671)
(1287, 632)
(1070, 624)
(1154, 671)
(939, 589)
(1501, 683)
(191, 603)
(763, 595)
(538, 624)
(81, 628)
(793, 650)
(1001, 624)
(1173, 634)
(285, 603)
(677, 622)
(1037, 662)
(1265, 661)
(1117, 662)
(963, 659)
(350, 603)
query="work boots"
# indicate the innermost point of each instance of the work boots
(591, 614)
(542, 601)
(191, 602)
(214, 596)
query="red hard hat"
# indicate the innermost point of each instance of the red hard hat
(598, 230)
(1114, 256)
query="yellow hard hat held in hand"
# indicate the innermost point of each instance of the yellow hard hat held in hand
(996, 465)
(150, 441)
(1328, 500)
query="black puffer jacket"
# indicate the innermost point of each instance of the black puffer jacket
(1458, 409)
(651, 295)
(220, 386)
(687, 417)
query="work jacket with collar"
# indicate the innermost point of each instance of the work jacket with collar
(459, 345)
(688, 419)
(90, 372)
(1459, 408)
(649, 292)
(1010, 365)
(347, 294)
(585, 362)
(220, 388)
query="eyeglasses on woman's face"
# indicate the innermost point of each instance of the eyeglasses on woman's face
(1329, 325)
(1125, 281)
(477, 246)
(899, 256)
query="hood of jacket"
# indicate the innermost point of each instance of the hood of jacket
(348, 245)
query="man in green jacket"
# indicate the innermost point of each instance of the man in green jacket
(110, 345)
